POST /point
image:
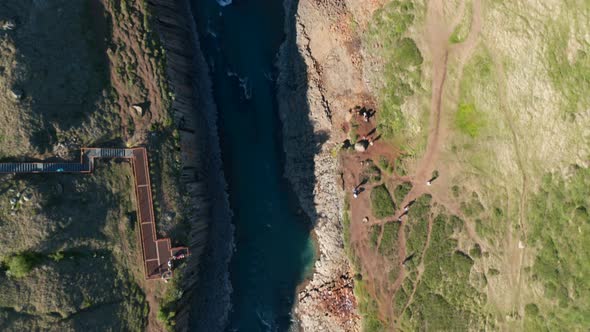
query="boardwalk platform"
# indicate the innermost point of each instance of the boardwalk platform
(158, 254)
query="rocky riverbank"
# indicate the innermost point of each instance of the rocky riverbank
(320, 75)
(195, 115)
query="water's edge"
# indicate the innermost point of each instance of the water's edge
(212, 232)
(319, 193)
(206, 303)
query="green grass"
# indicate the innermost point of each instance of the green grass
(372, 173)
(420, 209)
(353, 134)
(570, 78)
(416, 233)
(385, 38)
(474, 208)
(477, 95)
(385, 166)
(560, 229)
(401, 191)
(19, 265)
(444, 301)
(381, 202)
(456, 36)
(76, 270)
(475, 252)
(469, 120)
(389, 241)
(346, 237)
(368, 308)
(374, 233)
(399, 167)
(87, 264)
(462, 29)
(168, 306)
(417, 227)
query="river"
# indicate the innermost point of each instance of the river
(273, 248)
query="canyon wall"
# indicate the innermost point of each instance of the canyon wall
(195, 115)
(321, 75)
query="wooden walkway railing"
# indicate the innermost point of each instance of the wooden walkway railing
(158, 254)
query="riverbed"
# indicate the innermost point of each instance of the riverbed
(273, 248)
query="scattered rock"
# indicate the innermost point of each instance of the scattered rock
(361, 145)
(27, 196)
(7, 25)
(15, 93)
(138, 109)
(169, 216)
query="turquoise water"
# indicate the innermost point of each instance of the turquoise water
(274, 251)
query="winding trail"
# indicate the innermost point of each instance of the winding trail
(517, 262)
(438, 33)
(376, 267)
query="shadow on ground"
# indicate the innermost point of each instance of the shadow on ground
(62, 63)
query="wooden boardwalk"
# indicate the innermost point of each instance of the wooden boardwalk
(157, 253)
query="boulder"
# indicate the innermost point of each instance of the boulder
(137, 109)
(27, 196)
(7, 25)
(361, 145)
(15, 93)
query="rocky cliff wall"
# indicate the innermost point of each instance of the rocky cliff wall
(205, 301)
(319, 76)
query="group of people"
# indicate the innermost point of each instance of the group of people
(369, 136)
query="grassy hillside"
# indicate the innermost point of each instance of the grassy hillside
(70, 256)
(503, 241)
(70, 72)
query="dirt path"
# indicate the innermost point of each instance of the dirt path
(421, 266)
(516, 253)
(375, 267)
(437, 37)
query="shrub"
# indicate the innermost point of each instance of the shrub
(399, 166)
(57, 256)
(389, 238)
(475, 252)
(381, 202)
(19, 265)
(169, 304)
(375, 232)
(402, 60)
(493, 272)
(385, 165)
(402, 190)
(372, 173)
(468, 120)
(531, 309)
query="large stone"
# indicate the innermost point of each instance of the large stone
(27, 196)
(7, 25)
(138, 109)
(15, 93)
(361, 145)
